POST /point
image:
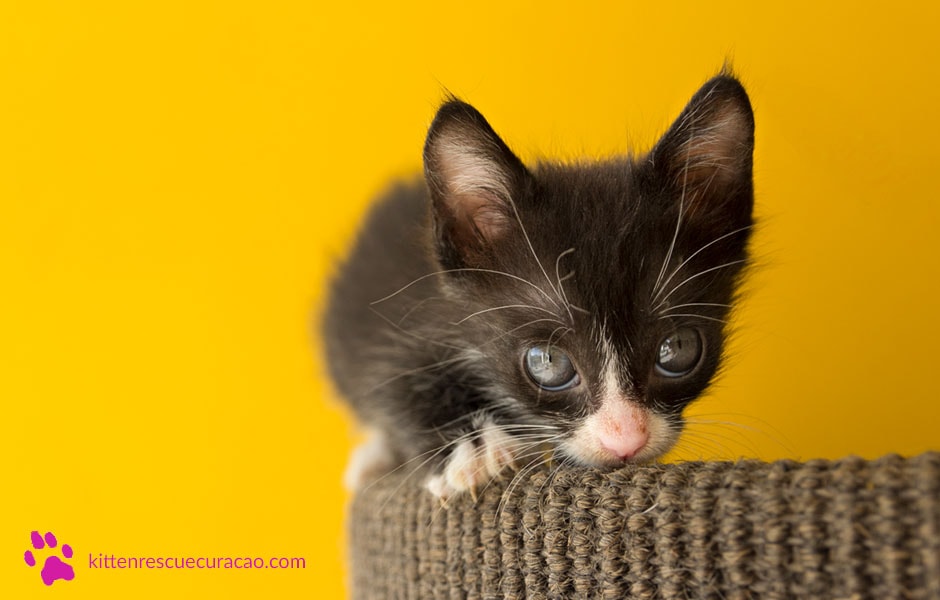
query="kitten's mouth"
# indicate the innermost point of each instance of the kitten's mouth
(603, 460)
(599, 446)
(606, 459)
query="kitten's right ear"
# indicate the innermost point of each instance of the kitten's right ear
(707, 154)
(474, 178)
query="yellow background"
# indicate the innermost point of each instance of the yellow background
(176, 179)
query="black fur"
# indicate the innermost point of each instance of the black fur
(399, 357)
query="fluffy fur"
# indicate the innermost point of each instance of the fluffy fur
(610, 265)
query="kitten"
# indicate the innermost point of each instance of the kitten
(494, 311)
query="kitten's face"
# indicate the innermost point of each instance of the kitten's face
(597, 294)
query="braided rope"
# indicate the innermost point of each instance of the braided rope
(847, 529)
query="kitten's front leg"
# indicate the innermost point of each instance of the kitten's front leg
(369, 461)
(473, 462)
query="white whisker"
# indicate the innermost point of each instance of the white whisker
(430, 454)
(430, 367)
(699, 274)
(693, 255)
(531, 248)
(515, 329)
(579, 309)
(561, 288)
(540, 458)
(688, 304)
(486, 310)
(464, 270)
(692, 316)
(417, 305)
(413, 334)
(565, 331)
(675, 234)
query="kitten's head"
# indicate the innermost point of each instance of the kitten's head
(596, 295)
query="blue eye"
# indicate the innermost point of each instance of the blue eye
(550, 368)
(679, 352)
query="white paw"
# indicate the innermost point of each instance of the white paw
(474, 462)
(368, 461)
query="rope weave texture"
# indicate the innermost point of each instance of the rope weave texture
(846, 529)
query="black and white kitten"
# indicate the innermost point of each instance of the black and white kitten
(494, 311)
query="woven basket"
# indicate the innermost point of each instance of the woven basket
(823, 529)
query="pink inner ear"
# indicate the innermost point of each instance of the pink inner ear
(713, 150)
(476, 189)
(481, 216)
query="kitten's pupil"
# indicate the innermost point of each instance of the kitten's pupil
(679, 352)
(550, 368)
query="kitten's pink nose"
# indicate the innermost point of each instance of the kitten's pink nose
(623, 442)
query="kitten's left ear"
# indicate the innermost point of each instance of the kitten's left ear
(474, 178)
(707, 154)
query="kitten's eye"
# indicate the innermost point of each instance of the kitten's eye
(679, 352)
(550, 368)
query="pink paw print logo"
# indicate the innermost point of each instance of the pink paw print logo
(54, 568)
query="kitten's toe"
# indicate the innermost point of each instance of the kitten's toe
(464, 470)
(437, 485)
(499, 450)
(473, 463)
